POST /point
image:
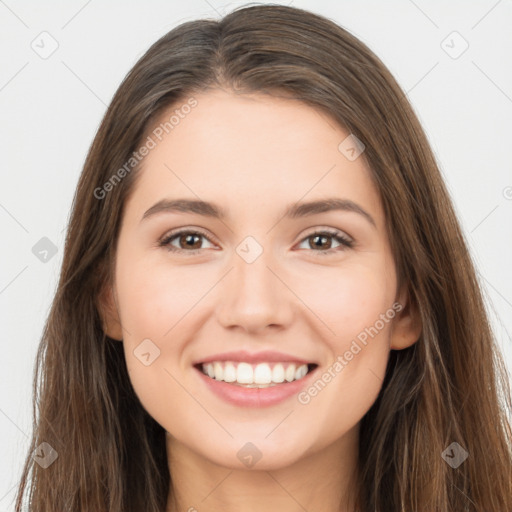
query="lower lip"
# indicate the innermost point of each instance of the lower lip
(255, 397)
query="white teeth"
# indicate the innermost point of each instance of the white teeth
(261, 375)
(301, 371)
(278, 373)
(219, 372)
(290, 373)
(244, 373)
(229, 373)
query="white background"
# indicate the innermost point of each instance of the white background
(50, 109)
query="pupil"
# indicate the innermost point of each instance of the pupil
(189, 238)
(319, 237)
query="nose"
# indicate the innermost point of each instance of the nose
(254, 297)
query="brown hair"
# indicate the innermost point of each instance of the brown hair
(445, 388)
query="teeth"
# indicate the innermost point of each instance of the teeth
(229, 373)
(218, 371)
(261, 375)
(301, 371)
(278, 373)
(289, 375)
(244, 374)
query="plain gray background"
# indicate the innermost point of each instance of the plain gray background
(452, 59)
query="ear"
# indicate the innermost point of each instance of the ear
(407, 323)
(109, 313)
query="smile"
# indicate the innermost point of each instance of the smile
(261, 375)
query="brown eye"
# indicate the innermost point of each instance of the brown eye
(188, 241)
(322, 241)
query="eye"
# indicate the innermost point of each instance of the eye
(189, 240)
(185, 238)
(318, 238)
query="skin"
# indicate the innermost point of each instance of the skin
(254, 155)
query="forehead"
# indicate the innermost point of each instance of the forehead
(249, 152)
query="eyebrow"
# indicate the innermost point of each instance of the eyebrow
(293, 211)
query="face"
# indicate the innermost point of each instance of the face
(257, 284)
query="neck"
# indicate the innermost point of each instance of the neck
(324, 481)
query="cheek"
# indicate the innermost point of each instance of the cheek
(154, 302)
(349, 300)
(357, 307)
(154, 298)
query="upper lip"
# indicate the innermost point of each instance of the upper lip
(265, 356)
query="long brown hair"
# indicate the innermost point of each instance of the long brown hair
(450, 386)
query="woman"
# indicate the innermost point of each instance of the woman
(201, 353)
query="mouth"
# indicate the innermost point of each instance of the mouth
(255, 379)
(250, 375)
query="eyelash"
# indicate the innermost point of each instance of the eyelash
(345, 242)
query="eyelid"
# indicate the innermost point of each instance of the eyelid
(165, 239)
(345, 240)
(330, 231)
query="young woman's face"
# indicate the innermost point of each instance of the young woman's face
(259, 288)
